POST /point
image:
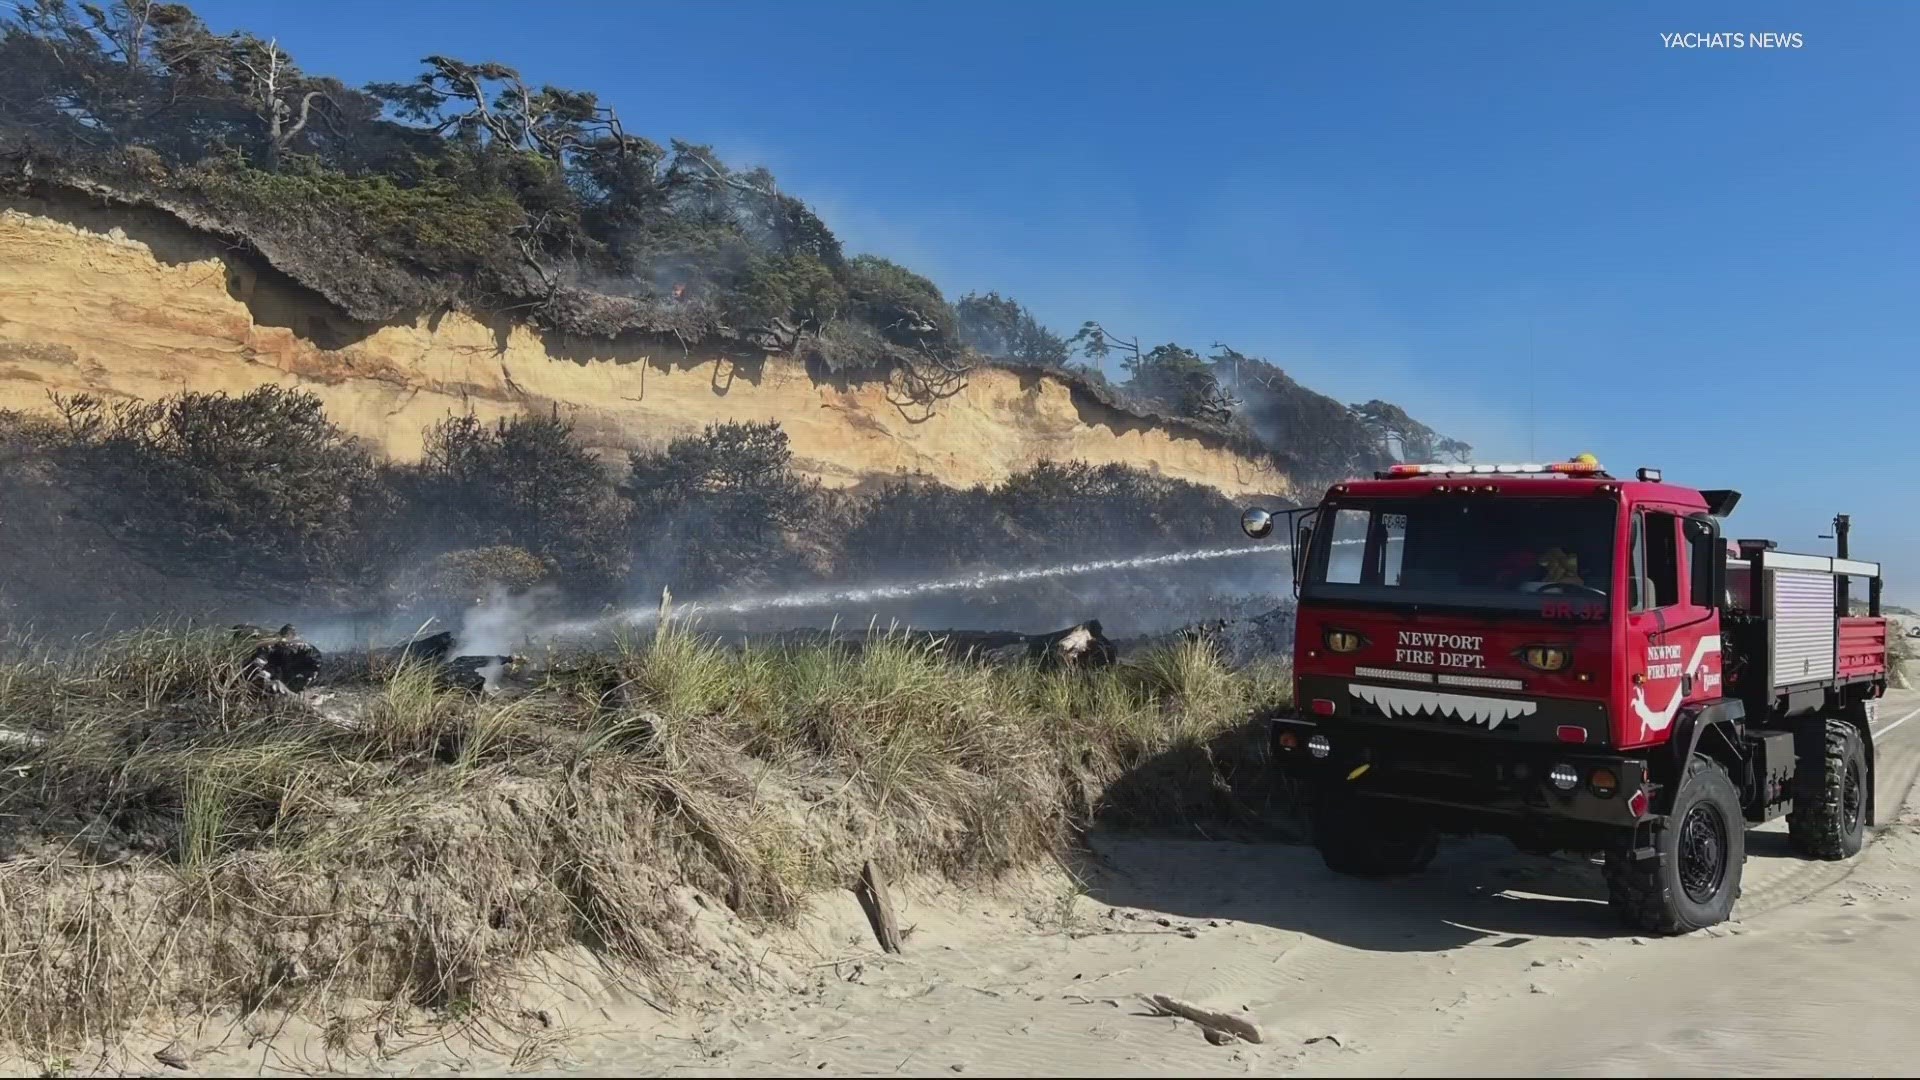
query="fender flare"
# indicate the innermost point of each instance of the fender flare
(1710, 728)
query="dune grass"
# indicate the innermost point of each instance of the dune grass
(175, 842)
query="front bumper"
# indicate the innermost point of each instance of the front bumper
(1501, 784)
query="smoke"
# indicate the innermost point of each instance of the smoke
(503, 623)
(1320, 436)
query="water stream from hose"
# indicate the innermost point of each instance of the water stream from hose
(828, 597)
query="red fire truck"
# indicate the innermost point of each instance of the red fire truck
(1580, 663)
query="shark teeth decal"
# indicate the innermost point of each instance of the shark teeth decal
(1401, 701)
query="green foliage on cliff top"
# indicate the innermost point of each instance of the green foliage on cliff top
(468, 184)
(434, 223)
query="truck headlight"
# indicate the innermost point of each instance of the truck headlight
(1546, 657)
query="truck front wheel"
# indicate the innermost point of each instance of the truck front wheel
(1370, 837)
(1693, 877)
(1828, 820)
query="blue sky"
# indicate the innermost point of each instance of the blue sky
(1533, 225)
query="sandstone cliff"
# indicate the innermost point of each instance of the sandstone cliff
(125, 301)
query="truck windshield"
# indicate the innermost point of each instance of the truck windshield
(1507, 554)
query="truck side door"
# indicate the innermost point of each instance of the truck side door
(1703, 553)
(1670, 638)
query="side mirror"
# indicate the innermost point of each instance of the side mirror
(1711, 550)
(1257, 523)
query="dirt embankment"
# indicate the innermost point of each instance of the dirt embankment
(126, 302)
(394, 854)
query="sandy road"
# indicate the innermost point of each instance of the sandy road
(1493, 962)
(1818, 975)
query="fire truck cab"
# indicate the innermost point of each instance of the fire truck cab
(1580, 663)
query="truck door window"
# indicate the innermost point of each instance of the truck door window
(1663, 559)
(1636, 566)
(1703, 547)
(1393, 547)
(1346, 550)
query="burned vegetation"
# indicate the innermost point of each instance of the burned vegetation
(217, 507)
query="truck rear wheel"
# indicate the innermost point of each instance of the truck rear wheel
(1370, 837)
(1694, 877)
(1828, 820)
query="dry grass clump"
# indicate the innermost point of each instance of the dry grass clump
(171, 841)
(1899, 656)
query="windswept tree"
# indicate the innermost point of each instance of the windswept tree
(905, 307)
(1096, 344)
(675, 225)
(704, 189)
(1318, 438)
(1169, 376)
(490, 102)
(781, 298)
(277, 91)
(999, 326)
(137, 73)
(917, 332)
(81, 78)
(1408, 438)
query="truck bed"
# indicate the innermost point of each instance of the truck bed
(1862, 647)
(1791, 641)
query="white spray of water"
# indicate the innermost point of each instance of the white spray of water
(830, 597)
(496, 627)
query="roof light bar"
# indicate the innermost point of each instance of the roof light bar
(1580, 467)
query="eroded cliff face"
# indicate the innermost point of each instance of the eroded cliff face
(132, 303)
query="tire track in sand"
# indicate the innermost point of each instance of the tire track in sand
(1777, 877)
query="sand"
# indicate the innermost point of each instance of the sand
(1492, 963)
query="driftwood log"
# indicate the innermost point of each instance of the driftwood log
(1211, 1020)
(878, 904)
